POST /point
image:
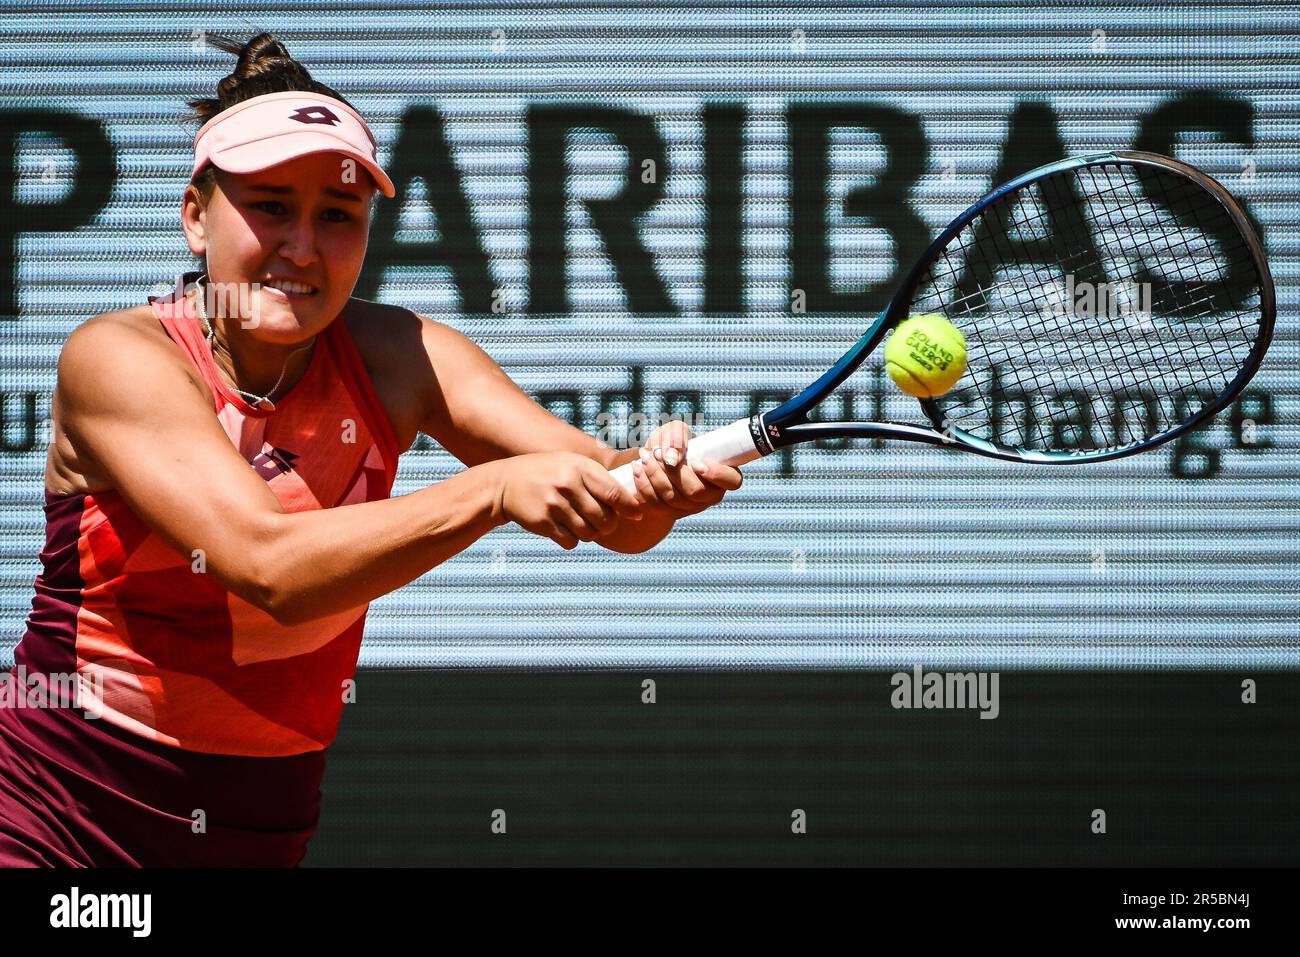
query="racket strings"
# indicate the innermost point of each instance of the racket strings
(1176, 256)
(1204, 208)
(1045, 374)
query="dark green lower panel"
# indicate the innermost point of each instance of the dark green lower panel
(587, 774)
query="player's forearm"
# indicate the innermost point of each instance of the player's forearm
(324, 561)
(631, 538)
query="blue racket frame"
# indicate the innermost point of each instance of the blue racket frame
(787, 424)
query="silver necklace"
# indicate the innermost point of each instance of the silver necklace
(262, 402)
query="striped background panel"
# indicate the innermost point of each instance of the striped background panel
(514, 130)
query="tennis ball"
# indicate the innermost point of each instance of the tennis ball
(925, 355)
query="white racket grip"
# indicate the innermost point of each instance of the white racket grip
(731, 445)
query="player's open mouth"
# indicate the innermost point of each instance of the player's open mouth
(290, 290)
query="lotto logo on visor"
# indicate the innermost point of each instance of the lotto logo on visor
(268, 130)
(314, 114)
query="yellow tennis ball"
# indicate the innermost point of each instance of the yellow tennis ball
(925, 355)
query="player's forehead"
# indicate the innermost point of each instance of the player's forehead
(319, 176)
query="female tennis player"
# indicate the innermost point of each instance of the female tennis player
(218, 511)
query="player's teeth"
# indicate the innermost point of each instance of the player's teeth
(291, 287)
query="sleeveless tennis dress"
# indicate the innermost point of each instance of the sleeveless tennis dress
(213, 719)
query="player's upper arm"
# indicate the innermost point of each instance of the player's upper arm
(479, 414)
(128, 405)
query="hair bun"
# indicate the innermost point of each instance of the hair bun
(264, 66)
(264, 56)
(261, 51)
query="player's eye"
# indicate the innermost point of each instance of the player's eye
(274, 207)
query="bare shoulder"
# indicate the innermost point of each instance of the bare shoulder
(137, 326)
(381, 330)
(126, 345)
(137, 318)
(390, 340)
(126, 341)
(397, 333)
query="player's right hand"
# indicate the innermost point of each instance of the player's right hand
(563, 496)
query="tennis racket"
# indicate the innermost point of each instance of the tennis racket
(1109, 303)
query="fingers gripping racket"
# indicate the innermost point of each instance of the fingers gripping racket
(1109, 303)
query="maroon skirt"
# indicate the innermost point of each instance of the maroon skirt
(79, 792)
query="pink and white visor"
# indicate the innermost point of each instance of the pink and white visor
(271, 129)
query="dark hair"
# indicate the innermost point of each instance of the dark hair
(264, 67)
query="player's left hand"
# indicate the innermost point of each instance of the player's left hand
(665, 478)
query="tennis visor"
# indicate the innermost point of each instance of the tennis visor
(274, 128)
